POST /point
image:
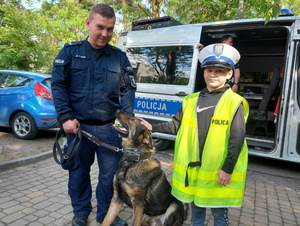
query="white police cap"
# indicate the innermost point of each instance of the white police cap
(219, 55)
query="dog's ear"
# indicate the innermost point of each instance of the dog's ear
(148, 139)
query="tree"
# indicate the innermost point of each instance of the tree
(270, 9)
(190, 11)
(21, 46)
(156, 7)
(63, 22)
(293, 5)
(241, 6)
(30, 40)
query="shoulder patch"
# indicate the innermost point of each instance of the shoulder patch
(73, 43)
(132, 81)
(59, 61)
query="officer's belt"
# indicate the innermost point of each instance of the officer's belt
(94, 122)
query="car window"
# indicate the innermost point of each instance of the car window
(47, 82)
(13, 80)
(162, 65)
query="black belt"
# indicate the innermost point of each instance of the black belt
(191, 164)
(95, 122)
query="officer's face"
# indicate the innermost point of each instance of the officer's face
(100, 29)
(229, 41)
(216, 77)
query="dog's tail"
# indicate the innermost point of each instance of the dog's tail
(186, 207)
(182, 212)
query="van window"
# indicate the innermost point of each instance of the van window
(162, 65)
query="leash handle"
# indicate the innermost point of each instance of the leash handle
(72, 149)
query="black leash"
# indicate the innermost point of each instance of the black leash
(99, 142)
(72, 149)
(129, 154)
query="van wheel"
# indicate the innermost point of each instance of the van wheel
(160, 144)
(23, 126)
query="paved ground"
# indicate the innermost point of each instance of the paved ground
(36, 194)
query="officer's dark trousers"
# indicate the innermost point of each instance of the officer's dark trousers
(80, 189)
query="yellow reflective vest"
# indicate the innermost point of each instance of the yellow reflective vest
(203, 187)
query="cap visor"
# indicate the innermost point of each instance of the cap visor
(214, 63)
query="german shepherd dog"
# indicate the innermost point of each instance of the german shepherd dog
(140, 182)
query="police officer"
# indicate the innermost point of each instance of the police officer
(90, 81)
(210, 160)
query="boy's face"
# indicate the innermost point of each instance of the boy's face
(216, 77)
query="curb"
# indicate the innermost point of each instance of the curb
(24, 161)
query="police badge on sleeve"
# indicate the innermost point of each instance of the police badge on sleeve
(132, 81)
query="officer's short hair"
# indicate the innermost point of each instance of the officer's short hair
(225, 38)
(102, 9)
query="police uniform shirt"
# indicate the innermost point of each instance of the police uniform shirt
(87, 83)
(207, 102)
(96, 52)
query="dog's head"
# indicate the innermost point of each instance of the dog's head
(133, 133)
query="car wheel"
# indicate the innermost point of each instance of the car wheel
(23, 126)
(160, 144)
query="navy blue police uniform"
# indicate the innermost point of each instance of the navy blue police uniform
(90, 85)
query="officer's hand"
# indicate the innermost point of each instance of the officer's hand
(235, 88)
(70, 126)
(224, 178)
(199, 46)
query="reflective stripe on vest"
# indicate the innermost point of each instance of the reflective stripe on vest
(203, 188)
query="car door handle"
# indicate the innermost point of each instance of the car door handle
(181, 94)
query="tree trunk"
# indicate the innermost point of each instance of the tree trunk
(241, 6)
(125, 15)
(156, 8)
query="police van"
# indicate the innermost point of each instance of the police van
(164, 58)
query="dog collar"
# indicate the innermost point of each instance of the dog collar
(135, 157)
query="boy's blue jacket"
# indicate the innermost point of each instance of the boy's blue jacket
(90, 88)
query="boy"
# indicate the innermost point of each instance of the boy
(210, 156)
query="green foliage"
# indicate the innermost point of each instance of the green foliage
(20, 43)
(31, 38)
(270, 9)
(134, 10)
(190, 11)
(63, 22)
(293, 5)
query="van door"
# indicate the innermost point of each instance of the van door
(291, 147)
(164, 61)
